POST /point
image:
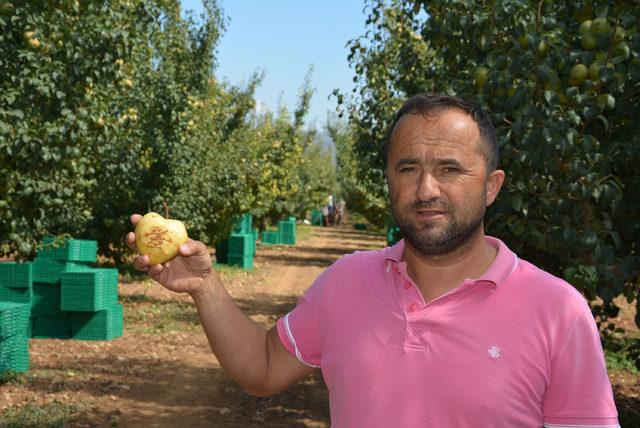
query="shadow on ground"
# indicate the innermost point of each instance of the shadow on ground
(161, 401)
(289, 259)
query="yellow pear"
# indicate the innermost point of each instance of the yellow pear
(159, 238)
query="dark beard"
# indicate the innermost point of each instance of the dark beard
(454, 237)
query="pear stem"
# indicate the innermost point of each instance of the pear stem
(166, 210)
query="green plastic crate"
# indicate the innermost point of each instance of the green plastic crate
(49, 270)
(271, 237)
(14, 319)
(287, 227)
(14, 354)
(241, 244)
(46, 298)
(245, 262)
(89, 291)
(101, 325)
(52, 326)
(16, 295)
(17, 275)
(77, 250)
(244, 224)
(288, 239)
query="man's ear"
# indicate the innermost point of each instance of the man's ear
(494, 183)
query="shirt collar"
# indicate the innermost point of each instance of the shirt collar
(498, 272)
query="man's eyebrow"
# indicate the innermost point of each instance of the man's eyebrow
(407, 161)
(450, 162)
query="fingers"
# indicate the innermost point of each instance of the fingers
(130, 240)
(141, 263)
(135, 218)
(192, 248)
(155, 270)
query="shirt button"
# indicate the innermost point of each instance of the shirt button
(407, 285)
(411, 308)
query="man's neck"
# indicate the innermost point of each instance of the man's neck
(436, 275)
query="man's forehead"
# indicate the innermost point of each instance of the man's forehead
(446, 129)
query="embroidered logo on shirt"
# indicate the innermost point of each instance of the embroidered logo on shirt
(495, 352)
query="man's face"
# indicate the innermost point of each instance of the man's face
(438, 183)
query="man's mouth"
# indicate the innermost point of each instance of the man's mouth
(431, 213)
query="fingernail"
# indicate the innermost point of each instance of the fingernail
(184, 248)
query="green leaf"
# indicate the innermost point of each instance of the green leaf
(516, 202)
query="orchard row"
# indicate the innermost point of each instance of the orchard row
(112, 107)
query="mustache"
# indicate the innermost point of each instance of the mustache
(436, 203)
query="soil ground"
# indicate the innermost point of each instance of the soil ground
(161, 372)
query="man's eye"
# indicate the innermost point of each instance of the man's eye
(451, 169)
(407, 169)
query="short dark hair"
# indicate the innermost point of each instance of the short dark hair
(428, 103)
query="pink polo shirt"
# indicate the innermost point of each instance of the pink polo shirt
(516, 347)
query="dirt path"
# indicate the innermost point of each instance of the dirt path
(162, 373)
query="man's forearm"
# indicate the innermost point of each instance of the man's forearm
(239, 343)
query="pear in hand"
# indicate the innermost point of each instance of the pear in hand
(159, 238)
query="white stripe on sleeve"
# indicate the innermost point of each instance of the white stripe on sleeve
(581, 426)
(293, 341)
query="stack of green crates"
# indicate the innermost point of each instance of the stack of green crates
(15, 308)
(287, 230)
(241, 250)
(72, 299)
(15, 282)
(240, 247)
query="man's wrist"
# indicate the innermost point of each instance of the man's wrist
(208, 289)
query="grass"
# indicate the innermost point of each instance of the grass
(618, 361)
(53, 414)
(304, 232)
(357, 218)
(152, 316)
(11, 377)
(230, 270)
(28, 378)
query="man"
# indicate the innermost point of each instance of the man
(447, 328)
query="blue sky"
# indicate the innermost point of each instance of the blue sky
(283, 38)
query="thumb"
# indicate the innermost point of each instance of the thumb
(192, 248)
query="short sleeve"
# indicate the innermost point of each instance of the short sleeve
(579, 393)
(300, 330)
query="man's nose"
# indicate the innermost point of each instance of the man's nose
(428, 188)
